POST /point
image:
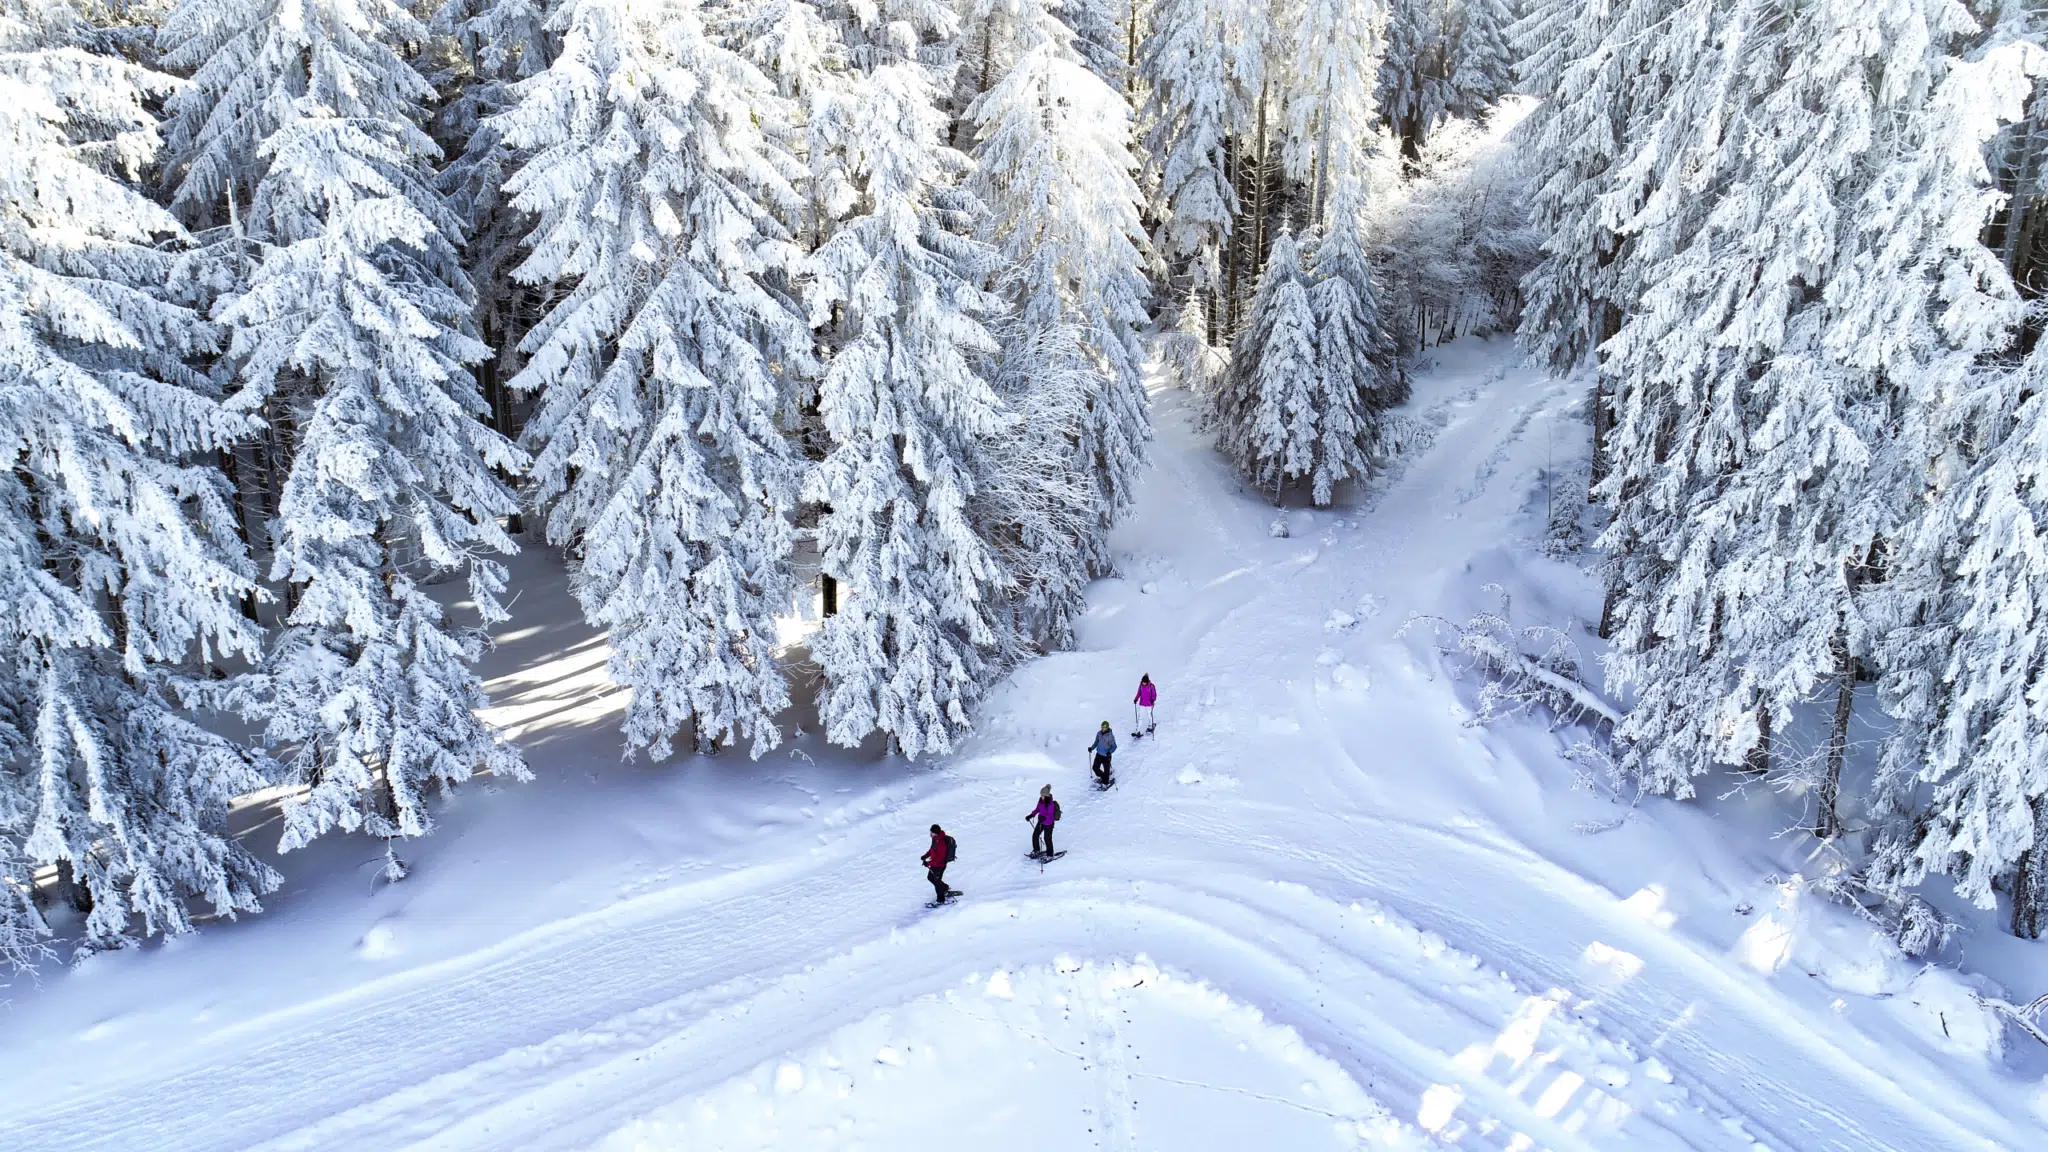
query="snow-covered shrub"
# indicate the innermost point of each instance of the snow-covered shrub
(1455, 241)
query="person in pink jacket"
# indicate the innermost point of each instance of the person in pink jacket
(1147, 696)
(1045, 815)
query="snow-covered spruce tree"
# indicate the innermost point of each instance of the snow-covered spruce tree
(1268, 422)
(1101, 36)
(1415, 71)
(1603, 78)
(907, 410)
(1804, 331)
(801, 53)
(1054, 169)
(1482, 60)
(658, 170)
(1036, 498)
(490, 46)
(1202, 68)
(1333, 49)
(350, 331)
(1358, 373)
(1963, 784)
(120, 571)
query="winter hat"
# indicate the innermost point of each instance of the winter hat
(1045, 791)
(1105, 723)
(936, 830)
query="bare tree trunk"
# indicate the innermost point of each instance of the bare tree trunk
(1260, 202)
(1131, 52)
(230, 464)
(1827, 822)
(1758, 762)
(72, 889)
(2030, 880)
(1231, 167)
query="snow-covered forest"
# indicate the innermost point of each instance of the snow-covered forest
(822, 342)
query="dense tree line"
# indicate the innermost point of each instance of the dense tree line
(1800, 246)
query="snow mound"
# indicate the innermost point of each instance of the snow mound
(1192, 776)
(1075, 1055)
(1338, 621)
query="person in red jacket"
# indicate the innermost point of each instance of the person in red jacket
(935, 860)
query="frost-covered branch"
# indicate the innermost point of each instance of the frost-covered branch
(1517, 680)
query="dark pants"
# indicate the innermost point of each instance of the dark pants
(1102, 765)
(938, 878)
(1044, 832)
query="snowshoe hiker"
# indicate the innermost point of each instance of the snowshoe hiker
(935, 859)
(1104, 747)
(1147, 696)
(1046, 814)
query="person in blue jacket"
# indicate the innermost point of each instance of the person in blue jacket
(1104, 747)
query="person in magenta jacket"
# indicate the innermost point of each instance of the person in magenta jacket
(1046, 814)
(1147, 696)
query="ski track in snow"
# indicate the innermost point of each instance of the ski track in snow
(1417, 953)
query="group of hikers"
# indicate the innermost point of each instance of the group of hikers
(1046, 812)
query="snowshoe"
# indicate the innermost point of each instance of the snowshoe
(1043, 859)
(950, 897)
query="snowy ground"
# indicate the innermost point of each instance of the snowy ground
(1319, 911)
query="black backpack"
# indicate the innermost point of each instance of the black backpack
(1055, 810)
(952, 849)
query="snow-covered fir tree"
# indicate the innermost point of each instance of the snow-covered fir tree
(1202, 68)
(1054, 169)
(907, 408)
(1415, 71)
(491, 45)
(1102, 37)
(1963, 784)
(659, 175)
(1803, 331)
(121, 576)
(1267, 415)
(1358, 373)
(1482, 57)
(350, 330)
(1333, 49)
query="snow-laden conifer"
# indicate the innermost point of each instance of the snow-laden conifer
(1054, 169)
(1202, 67)
(1779, 371)
(121, 574)
(1482, 58)
(1358, 374)
(660, 460)
(349, 332)
(356, 330)
(1963, 785)
(906, 408)
(1415, 70)
(1268, 416)
(1333, 50)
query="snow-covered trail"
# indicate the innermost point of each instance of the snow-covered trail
(1359, 883)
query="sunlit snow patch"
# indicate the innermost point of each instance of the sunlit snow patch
(1097, 1055)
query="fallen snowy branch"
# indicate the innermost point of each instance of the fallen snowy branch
(1517, 680)
(1518, 665)
(2025, 1017)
